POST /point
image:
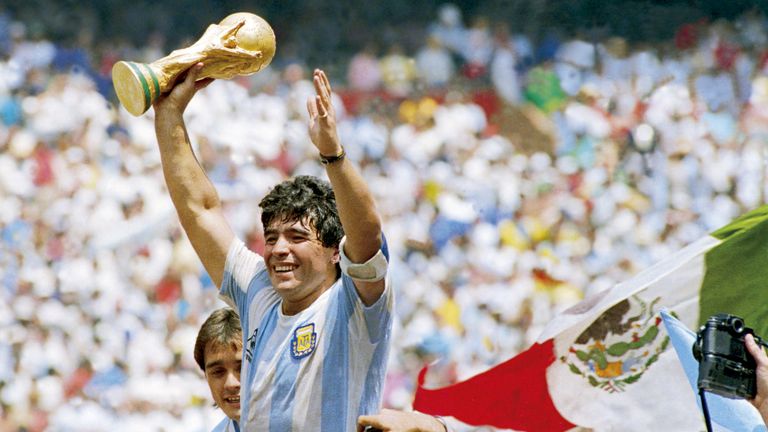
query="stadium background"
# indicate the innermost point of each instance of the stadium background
(572, 145)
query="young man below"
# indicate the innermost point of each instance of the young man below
(219, 353)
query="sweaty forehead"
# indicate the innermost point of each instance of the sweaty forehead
(218, 352)
(280, 225)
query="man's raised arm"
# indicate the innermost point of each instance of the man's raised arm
(357, 209)
(194, 196)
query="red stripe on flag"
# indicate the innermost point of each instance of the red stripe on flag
(511, 395)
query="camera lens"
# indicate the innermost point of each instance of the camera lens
(737, 324)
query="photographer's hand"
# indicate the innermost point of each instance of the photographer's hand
(400, 421)
(760, 400)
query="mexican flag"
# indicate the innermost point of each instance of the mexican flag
(607, 363)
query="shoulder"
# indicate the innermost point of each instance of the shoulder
(226, 425)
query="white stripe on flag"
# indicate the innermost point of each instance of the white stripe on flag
(629, 391)
(584, 313)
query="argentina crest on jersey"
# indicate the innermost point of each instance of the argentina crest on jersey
(303, 341)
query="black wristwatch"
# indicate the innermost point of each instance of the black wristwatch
(327, 160)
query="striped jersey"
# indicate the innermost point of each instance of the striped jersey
(226, 425)
(317, 370)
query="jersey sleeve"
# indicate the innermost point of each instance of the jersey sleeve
(376, 318)
(240, 269)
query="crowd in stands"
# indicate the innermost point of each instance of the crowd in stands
(515, 177)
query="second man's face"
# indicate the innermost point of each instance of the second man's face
(222, 371)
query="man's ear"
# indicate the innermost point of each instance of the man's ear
(336, 257)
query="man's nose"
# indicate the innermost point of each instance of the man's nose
(281, 245)
(233, 379)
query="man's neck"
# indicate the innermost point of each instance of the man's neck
(292, 307)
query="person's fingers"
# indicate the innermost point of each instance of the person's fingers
(184, 89)
(369, 420)
(312, 110)
(203, 83)
(326, 82)
(192, 74)
(756, 351)
(319, 78)
(318, 83)
(322, 85)
(749, 339)
(196, 70)
(750, 342)
(322, 108)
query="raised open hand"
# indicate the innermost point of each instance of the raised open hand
(322, 117)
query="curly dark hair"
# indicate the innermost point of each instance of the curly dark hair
(305, 197)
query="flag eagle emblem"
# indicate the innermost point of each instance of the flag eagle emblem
(615, 351)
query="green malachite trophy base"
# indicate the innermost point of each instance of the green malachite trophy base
(136, 85)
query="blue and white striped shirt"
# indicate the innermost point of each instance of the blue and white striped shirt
(226, 425)
(316, 370)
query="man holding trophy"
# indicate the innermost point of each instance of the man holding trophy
(316, 309)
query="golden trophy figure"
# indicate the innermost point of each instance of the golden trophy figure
(241, 44)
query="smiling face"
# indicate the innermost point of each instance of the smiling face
(222, 371)
(299, 266)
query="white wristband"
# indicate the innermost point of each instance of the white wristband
(370, 271)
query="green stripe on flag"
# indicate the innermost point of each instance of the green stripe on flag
(736, 277)
(743, 222)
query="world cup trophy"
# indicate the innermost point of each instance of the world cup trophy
(241, 44)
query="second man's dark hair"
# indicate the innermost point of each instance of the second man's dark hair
(222, 328)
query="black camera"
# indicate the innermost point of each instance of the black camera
(726, 367)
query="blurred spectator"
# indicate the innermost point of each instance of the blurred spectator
(547, 48)
(478, 48)
(5, 32)
(363, 73)
(573, 60)
(398, 71)
(504, 71)
(543, 89)
(449, 28)
(435, 64)
(154, 48)
(30, 49)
